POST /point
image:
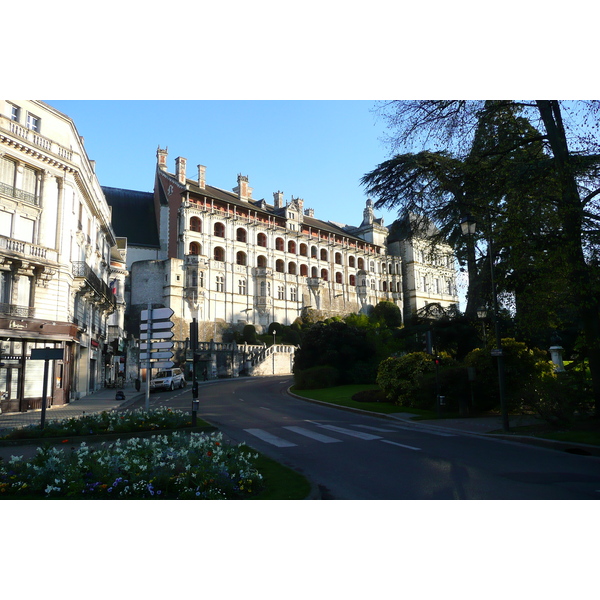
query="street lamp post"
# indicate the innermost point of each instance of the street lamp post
(274, 334)
(469, 226)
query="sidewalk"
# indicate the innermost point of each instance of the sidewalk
(99, 401)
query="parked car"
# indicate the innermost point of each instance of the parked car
(168, 379)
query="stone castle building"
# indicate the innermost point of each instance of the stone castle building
(227, 259)
(62, 271)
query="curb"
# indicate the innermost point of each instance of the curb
(570, 447)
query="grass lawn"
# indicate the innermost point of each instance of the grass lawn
(342, 396)
(282, 483)
(580, 432)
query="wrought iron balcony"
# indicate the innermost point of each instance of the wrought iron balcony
(12, 310)
(82, 271)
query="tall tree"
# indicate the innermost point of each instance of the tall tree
(572, 165)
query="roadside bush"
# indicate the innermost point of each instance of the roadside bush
(398, 377)
(370, 396)
(525, 368)
(563, 397)
(316, 378)
(453, 383)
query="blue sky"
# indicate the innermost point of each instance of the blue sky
(315, 150)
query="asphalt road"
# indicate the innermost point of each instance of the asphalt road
(357, 456)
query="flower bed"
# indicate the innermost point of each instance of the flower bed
(127, 421)
(176, 466)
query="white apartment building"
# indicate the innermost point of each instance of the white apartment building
(59, 262)
(227, 259)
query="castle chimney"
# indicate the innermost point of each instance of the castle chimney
(278, 199)
(243, 190)
(201, 177)
(180, 164)
(309, 212)
(161, 158)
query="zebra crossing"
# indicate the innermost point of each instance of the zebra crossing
(313, 432)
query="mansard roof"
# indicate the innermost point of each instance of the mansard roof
(133, 216)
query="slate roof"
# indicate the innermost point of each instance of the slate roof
(133, 216)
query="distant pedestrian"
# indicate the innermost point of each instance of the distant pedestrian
(205, 374)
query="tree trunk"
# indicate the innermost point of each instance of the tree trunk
(572, 220)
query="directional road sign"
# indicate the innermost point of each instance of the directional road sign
(158, 314)
(157, 335)
(156, 355)
(155, 325)
(157, 345)
(165, 364)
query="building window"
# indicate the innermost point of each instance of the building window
(242, 287)
(313, 252)
(338, 278)
(279, 266)
(8, 169)
(33, 122)
(219, 254)
(436, 285)
(293, 294)
(279, 245)
(324, 275)
(14, 113)
(303, 270)
(323, 254)
(219, 230)
(261, 240)
(372, 284)
(313, 272)
(195, 248)
(261, 262)
(280, 293)
(196, 224)
(338, 258)
(352, 280)
(220, 283)
(423, 283)
(292, 268)
(351, 261)
(240, 258)
(292, 247)
(241, 234)
(303, 250)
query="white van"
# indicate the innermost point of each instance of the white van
(168, 379)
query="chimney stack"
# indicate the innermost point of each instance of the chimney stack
(201, 177)
(278, 199)
(243, 190)
(161, 157)
(309, 212)
(180, 164)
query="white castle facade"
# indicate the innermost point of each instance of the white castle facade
(226, 259)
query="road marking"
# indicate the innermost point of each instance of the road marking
(269, 438)
(401, 445)
(313, 434)
(357, 434)
(376, 429)
(440, 433)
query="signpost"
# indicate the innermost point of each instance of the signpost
(46, 354)
(155, 328)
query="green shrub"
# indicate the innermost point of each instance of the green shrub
(370, 396)
(249, 334)
(453, 382)
(524, 369)
(398, 377)
(562, 397)
(316, 378)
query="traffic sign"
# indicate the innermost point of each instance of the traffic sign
(157, 345)
(157, 314)
(155, 355)
(157, 335)
(165, 364)
(154, 325)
